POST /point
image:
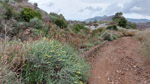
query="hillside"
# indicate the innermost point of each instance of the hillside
(39, 47)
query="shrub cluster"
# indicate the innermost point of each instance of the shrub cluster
(29, 13)
(113, 27)
(108, 36)
(120, 19)
(131, 25)
(98, 31)
(78, 27)
(36, 23)
(61, 23)
(52, 63)
(42, 62)
(55, 16)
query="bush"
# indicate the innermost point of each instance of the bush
(120, 19)
(55, 16)
(110, 37)
(122, 22)
(6, 11)
(53, 63)
(9, 12)
(113, 27)
(78, 27)
(61, 23)
(29, 13)
(36, 23)
(7, 76)
(36, 32)
(99, 30)
(11, 54)
(52, 18)
(22, 25)
(131, 25)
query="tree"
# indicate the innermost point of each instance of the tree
(117, 16)
(122, 22)
(120, 19)
(61, 23)
(35, 5)
(55, 16)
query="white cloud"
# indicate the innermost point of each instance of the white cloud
(83, 9)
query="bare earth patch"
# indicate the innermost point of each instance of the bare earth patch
(119, 62)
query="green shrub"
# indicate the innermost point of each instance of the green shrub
(99, 30)
(61, 23)
(122, 22)
(36, 23)
(131, 25)
(17, 15)
(52, 18)
(9, 12)
(17, 27)
(6, 11)
(29, 13)
(113, 27)
(78, 27)
(52, 63)
(36, 32)
(55, 16)
(110, 37)
(120, 19)
(22, 25)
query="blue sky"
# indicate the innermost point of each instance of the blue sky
(83, 9)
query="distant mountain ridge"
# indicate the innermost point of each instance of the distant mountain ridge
(109, 18)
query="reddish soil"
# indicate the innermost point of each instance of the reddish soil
(119, 62)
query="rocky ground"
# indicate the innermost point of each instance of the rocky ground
(119, 62)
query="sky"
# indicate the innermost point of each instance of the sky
(84, 9)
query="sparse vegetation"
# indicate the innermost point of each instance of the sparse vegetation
(98, 31)
(143, 37)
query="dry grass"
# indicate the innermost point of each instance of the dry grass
(11, 59)
(11, 54)
(67, 36)
(144, 38)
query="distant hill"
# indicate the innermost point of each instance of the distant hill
(98, 18)
(138, 20)
(109, 18)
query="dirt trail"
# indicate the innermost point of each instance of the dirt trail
(119, 62)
